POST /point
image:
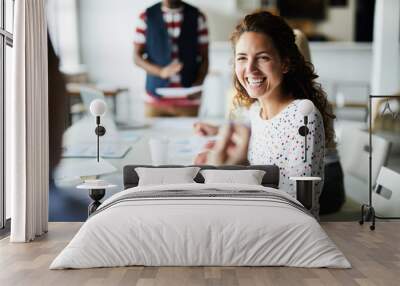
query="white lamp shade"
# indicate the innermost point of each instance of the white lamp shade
(306, 106)
(98, 107)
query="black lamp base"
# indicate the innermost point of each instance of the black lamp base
(304, 193)
(96, 195)
(368, 214)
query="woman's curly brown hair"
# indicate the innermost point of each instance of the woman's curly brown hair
(299, 81)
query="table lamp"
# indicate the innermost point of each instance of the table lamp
(98, 108)
(304, 185)
(96, 187)
(306, 106)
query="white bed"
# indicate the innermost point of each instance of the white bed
(245, 225)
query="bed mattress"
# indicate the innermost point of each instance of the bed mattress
(201, 225)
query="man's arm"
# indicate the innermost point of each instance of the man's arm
(202, 34)
(203, 70)
(163, 72)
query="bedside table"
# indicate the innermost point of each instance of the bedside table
(305, 190)
(97, 190)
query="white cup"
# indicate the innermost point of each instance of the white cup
(159, 150)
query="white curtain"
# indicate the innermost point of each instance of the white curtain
(27, 122)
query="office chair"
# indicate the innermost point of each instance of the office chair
(353, 149)
(386, 195)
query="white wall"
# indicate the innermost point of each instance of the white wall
(106, 34)
(340, 22)
(63, 23)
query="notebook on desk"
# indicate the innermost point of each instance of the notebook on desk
(89, 150)
(178, 92)
(132, 125)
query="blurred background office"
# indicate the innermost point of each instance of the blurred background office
(354, 46)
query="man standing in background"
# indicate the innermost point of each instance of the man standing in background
(171, 45)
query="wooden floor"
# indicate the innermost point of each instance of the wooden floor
(374, 255)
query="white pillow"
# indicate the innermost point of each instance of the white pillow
(249, 177)
(163, 176)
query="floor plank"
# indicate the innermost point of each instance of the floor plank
(375, 257)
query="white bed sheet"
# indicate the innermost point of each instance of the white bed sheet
(200, 231)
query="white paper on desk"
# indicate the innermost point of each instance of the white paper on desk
(88, 150)
(70, 170)
(192, 145)
(183, 92)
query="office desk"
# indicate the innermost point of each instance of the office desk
(183, 147)
(67, 203)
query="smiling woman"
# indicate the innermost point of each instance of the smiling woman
(258, 66)
(265, 48)
(271, 77)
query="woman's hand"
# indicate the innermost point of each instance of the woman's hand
(230, 149)
(201, 158)
(232, 146)
(205, 129)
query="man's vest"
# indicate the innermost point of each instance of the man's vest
(158, 45)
